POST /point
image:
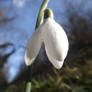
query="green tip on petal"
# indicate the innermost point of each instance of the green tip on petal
(48, 13)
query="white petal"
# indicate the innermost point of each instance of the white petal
(56, 42)
(33, 48)
(57, 64)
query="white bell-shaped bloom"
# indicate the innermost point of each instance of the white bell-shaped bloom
(55, 41)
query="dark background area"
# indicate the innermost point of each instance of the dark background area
(17, 24)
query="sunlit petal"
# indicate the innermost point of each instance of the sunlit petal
(56, 42)
(33, 48)
(57, 64)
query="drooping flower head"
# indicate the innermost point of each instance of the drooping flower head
(54, 38)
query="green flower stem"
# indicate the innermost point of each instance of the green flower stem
(42, 8)
(29, 79)
(28, 86)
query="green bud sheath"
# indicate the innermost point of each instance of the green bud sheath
(48, 13)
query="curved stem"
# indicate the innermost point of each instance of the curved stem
(42, 8)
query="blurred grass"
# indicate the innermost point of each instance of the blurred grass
(75, 76)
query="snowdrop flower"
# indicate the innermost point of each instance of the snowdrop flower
(54, 38)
